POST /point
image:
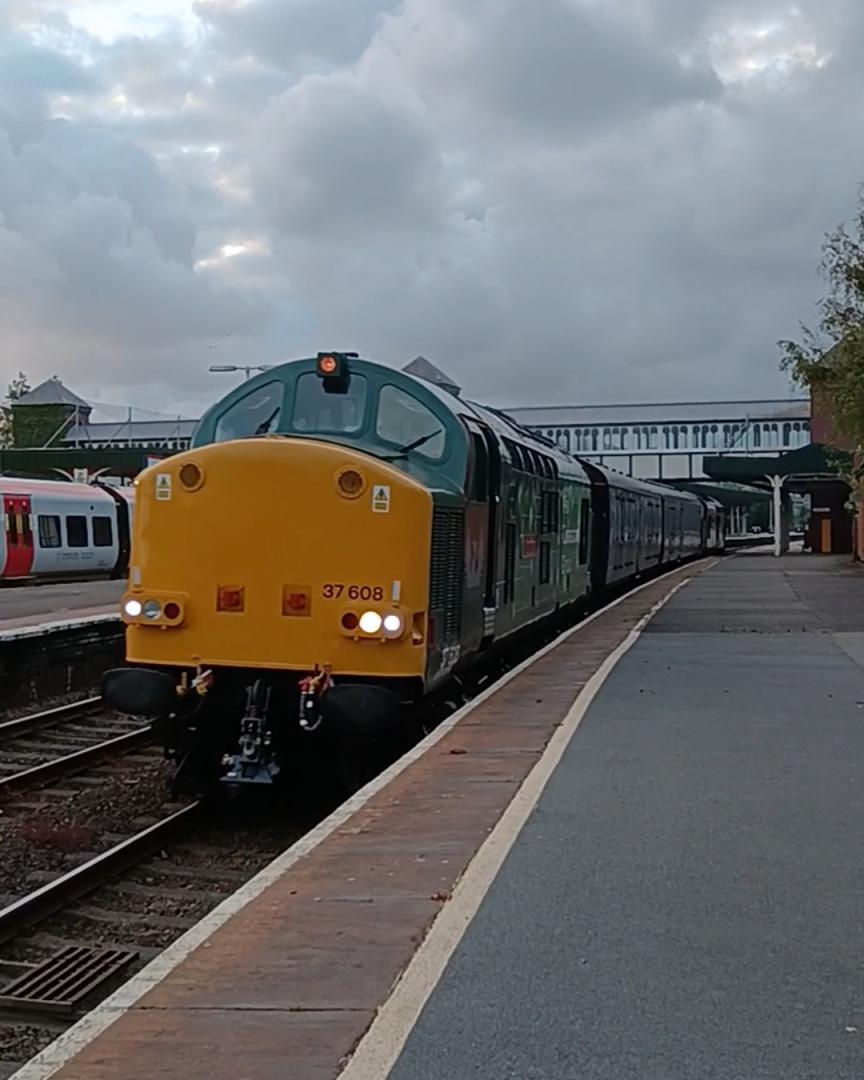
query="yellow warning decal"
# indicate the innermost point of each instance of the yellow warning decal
(380, 499)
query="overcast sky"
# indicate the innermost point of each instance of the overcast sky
(554, 200)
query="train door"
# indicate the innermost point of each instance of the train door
(19, 536)
(484, 519)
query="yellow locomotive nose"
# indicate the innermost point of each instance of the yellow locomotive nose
(280, 553)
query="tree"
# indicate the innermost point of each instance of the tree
(830, 360)
(17, 388)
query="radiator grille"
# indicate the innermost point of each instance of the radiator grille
(445, 581)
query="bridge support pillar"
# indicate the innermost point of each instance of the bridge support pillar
(782, 510)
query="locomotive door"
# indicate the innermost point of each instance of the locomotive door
(19, 536)
(485, 499)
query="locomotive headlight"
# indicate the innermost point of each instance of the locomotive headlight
(152, 609)
(370, 622)
(133, 608)
(392, 625)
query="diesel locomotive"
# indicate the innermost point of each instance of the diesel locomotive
(341, 540)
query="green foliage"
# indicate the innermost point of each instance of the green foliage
(37, 425)
(17, 388)
(830, 360)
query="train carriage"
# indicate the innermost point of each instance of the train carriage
(55, 529)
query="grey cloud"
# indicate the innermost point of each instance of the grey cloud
(95, 262)
(70, 161)
(29, 74)
(284, 31)
(550, 66)
(333, 158)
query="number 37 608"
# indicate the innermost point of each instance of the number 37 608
(352, 592)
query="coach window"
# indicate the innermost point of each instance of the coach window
(103, 532)
(76, 530)
(316, 411)
(49, 531)
(256, 413)
(409, 424)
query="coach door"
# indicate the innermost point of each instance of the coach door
(19, 536)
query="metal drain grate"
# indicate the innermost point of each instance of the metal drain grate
(59, 985)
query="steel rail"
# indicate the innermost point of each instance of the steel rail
(49, 717)
(56, 894)
(72, 763)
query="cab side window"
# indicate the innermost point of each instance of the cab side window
(408, 424)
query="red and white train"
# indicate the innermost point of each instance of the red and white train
(62, 530)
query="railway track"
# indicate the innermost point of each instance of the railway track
(72, 937)
(100, 872)
(62, 742)
(89, 875)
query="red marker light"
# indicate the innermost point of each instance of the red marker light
(171, 610)
(327, 365)
(295, 601)
(231, 598)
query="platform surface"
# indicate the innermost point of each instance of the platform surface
(23, 606)
(683, 903)
(686, 900)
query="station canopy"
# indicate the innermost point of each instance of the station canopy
(806, 465)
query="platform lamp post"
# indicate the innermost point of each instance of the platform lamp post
(248, 368)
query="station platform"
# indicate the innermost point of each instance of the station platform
(33, 609)
(638, 857)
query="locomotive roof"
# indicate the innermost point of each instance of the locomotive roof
(507, 428)
(446, 473)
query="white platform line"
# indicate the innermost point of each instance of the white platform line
(32, 630)
(379, 1049)
(71, 1042)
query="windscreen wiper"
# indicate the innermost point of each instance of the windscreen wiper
(418, 442)
(264, 427)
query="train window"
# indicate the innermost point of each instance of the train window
(49, 531)
(103, 532)
(409, 424)
(256, 413)
(549, 515)
(584, 519)
(545, 562)
(76, 530)
(316, 411)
